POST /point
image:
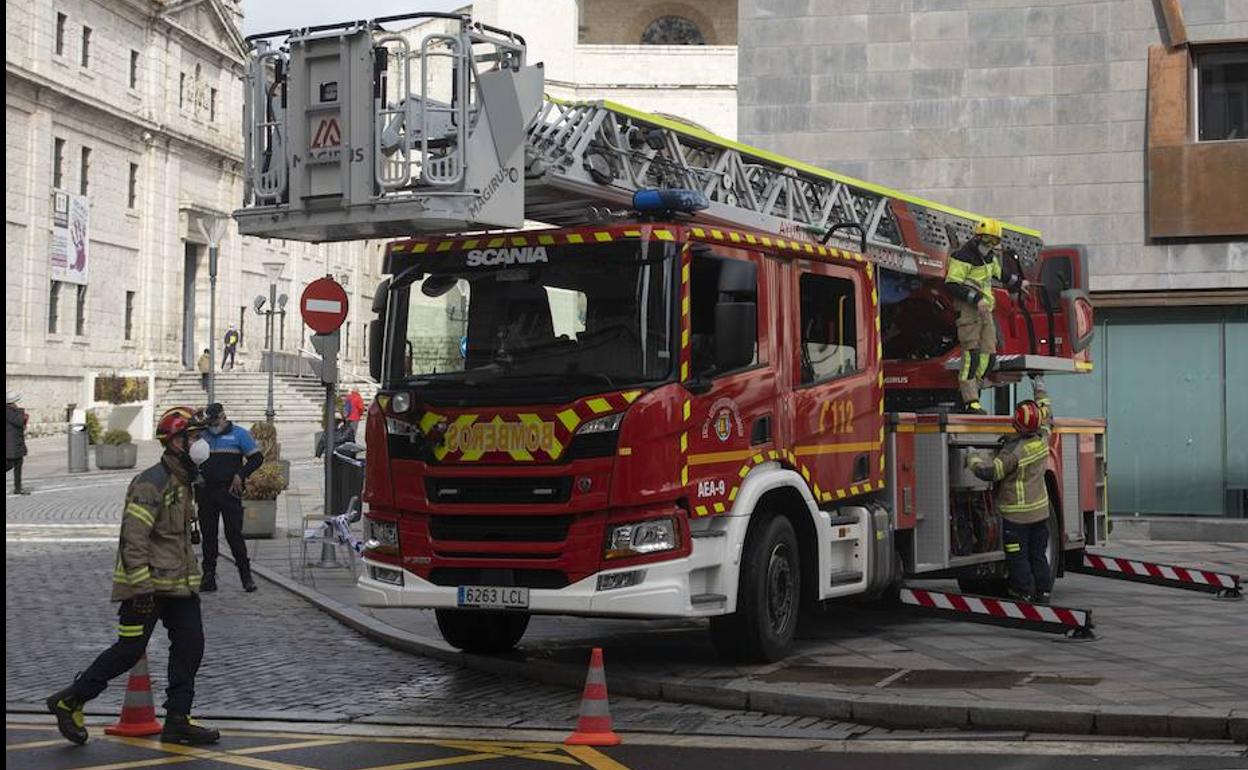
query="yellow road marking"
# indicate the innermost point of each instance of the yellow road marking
(594, 759)
(217, 756)
(554, 753)
(441, 762)
(154, 762)
(33, 745)
(308, 744)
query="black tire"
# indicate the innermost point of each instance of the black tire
(486, 633)
(1054, 555)
(768, 598)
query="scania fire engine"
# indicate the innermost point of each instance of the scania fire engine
(633, 369)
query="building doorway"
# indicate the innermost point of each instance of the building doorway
(190, 274)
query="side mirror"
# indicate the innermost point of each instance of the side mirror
(736, 331)
(380, 296)
(376, 342)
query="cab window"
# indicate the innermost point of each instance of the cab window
(829, 328)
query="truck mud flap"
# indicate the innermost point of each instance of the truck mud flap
(1071, 622)
(1223, 584)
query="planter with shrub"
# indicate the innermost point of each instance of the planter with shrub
(116, 451)
(260, 495)
(265, 435)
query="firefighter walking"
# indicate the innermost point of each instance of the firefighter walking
(155, 577)
(233, 457)
(1018, 470)
(971, 271)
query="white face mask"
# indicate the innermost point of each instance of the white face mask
(199, 451)
(984, 248)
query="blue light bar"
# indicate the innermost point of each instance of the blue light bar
(669, 200)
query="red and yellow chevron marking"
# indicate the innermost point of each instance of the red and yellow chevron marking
(797, 248)
(791, 459)
(686, 329)
(872, 277)
(502, 435)
(530, 238)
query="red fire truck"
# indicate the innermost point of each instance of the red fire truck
(715, 383)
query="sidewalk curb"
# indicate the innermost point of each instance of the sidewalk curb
(1202, 723)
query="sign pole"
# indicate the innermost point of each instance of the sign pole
(324, 308)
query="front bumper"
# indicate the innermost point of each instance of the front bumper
(668, 590)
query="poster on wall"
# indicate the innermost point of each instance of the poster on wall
(70, 219)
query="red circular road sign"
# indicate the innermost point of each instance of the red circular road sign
(324, 305)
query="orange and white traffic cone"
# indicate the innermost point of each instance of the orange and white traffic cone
(138, 711)
(594, 726)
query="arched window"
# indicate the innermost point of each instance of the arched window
(672, 30)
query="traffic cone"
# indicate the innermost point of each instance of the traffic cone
(594, 726)
(138, 711)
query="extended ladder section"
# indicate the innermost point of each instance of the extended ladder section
(353, 132)
(602, 151)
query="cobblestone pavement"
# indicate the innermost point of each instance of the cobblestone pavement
(269, 652)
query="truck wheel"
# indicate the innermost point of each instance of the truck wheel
(482, 632)
(768, 598)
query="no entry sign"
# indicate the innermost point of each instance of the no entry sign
(324, 305)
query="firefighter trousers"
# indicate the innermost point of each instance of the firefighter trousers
(182, 619)
(1025, 559)
(217, 503)
(977, 334)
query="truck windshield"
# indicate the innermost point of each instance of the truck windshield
(537, 321)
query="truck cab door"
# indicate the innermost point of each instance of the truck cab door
(837, 419)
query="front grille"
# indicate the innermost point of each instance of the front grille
(499, 491)
(523, 578)
(513, 529)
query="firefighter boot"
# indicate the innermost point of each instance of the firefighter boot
(244, 574)
(67, 708)
(180, 728)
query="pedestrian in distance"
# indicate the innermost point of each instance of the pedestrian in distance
(357, 411)
(15, 419)
(204, 364)
(233, 456)
(968, 280)
(155, 577)
(231, 341)
(1017, 470)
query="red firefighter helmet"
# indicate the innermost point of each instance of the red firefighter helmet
(1027, 417)
(178, 419)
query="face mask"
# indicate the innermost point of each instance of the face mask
(216, 430)
(984, 248)
(199, 451)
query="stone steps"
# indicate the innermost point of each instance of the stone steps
(245, 396)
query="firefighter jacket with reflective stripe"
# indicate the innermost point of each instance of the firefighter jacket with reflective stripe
(970, 273)
(1018, 470)
(155, 553)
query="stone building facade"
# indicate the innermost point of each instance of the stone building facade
(1080, 118)
(135, 105)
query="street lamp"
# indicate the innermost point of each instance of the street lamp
(274, 272)
(212, 230)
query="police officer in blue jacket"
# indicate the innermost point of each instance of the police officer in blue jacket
(234, 457)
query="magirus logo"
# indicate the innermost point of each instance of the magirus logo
(525, 255)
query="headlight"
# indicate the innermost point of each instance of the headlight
(641, 538)
(601, 424)
(400, 402)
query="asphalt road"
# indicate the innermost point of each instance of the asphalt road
(37, 747)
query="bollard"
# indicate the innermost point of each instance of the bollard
(77, 462)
